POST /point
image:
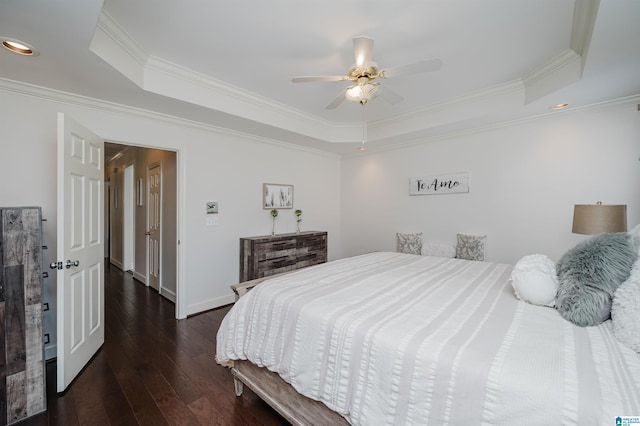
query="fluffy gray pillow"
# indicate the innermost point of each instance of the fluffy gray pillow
(590, 273)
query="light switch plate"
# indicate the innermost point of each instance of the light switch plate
(212, 207)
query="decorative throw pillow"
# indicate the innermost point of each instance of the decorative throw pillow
(589, 275)
(470, 247)
(534, 280)
(438, 249)
(409, 243)
(625, 310)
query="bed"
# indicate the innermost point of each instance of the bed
(399, 339)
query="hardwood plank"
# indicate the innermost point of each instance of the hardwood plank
(169, 403)
(141, 402)
(206, 413)
(187, 391)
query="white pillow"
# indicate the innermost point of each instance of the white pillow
(438, 249)
(534, 280)
(625, 310)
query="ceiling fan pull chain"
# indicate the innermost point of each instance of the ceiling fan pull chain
(364, 127)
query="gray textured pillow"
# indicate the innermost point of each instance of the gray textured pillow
(470, 247)
(409, 243)
(590, 273)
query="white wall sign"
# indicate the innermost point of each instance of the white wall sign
(439, 184)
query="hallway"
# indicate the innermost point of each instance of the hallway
(152, 369)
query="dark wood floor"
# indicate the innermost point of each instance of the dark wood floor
(152, 370)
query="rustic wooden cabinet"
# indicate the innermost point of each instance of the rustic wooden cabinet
(22, 369)
(266, 255)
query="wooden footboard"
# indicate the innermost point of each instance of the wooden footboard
(296, 408)
(280, 395)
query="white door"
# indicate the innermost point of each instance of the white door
(154, 220)
(80, 295)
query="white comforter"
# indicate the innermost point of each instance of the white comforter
(388, 338)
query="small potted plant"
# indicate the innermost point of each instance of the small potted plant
(274, 214)
(298, 214)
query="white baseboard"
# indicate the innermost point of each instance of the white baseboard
(206, 305)
(142, 278)
(117, 264)
(171, 295)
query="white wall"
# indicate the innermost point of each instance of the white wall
(524, 180)
(212, 166)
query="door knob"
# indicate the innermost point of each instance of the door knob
(69, 264)
(147, 233)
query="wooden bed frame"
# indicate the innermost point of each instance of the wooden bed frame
(296, 408)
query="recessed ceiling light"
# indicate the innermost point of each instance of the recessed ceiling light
(361, 148)
(559, 106)
(19, 47)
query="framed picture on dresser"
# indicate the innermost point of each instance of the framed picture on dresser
(277, 196)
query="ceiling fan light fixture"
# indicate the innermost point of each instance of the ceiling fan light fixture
(361, 93)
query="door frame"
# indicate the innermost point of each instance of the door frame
(181, 227)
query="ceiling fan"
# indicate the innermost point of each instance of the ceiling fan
(365, 71)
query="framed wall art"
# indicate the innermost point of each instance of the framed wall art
(277, 196)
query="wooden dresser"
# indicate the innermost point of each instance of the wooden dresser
(22, 372)
(266, 255)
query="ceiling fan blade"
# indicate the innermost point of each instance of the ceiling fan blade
(363, 51)
(418, 67)
(337, 101)
(311, 79)
(389, 95)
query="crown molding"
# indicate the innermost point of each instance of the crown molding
(560, 71)
(121, 37)
(61, 97)
(119, 49)
(499, 97)
(584, 20)
(551, 115)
